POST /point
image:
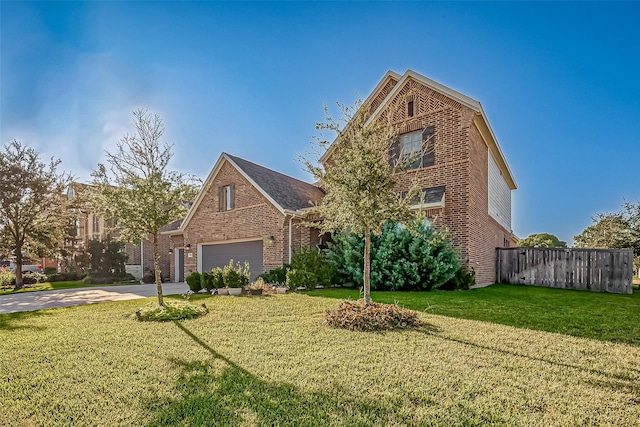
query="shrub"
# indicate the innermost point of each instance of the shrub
(32, 277)
(237, 276)
(172, 310)
(463, 280)
(218, 277)
(150, 277)
(66, 277)
(301, 278)
(7, 279)
(97, 280)
(421, 259)
(314, 262)
(50, 270)
(277, 275)
(194, 281)
(355, 316)
(206, 281)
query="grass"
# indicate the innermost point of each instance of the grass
(266, 361)
(52, 286)
(609, 317)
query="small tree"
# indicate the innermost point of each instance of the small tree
(542, 240)
(33, 205)
(138, 190)
(358, 179)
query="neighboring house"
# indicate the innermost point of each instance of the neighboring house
(464, 174)
(89, 226)
(244, 212)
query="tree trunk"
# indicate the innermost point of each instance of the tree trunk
(367, 267)
(156, 268)
(19, 281)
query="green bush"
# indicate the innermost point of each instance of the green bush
(277, 275)
(355, 316)
(172, 310)
(7, 279)
(301, 278)
(206, 280)
(50, 270)
(66, 277)
(32, 277)
(218, 277)
(237, 276)
(462, 280)
(314, 262)
(421, 259)
(194, 281)
(150, 277)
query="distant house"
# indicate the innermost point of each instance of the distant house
(87, 225)
(248, 212)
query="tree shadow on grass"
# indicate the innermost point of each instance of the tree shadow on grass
(19, 320)
(614, 381)
(234, 396)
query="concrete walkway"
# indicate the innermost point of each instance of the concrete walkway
(29, 301)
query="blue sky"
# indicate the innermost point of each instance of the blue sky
(559, 83)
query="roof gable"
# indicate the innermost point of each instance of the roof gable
(284, 192)
(480, 120)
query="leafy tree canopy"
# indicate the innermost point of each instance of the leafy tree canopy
(34, 210)
(542, 240)
(358, 177)
(138, 189)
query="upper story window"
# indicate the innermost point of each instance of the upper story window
(96, 224)
(414, 150)
(226, 197)
(410, 108)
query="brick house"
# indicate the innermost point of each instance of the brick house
(248, 212)
(465, 177)
(244, 212)
(88, 226)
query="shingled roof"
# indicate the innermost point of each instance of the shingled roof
(288, 192)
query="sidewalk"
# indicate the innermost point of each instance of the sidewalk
(29, 301)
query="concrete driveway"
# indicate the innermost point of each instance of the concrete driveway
(29, 301)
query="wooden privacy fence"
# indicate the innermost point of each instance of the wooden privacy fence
(597, 270)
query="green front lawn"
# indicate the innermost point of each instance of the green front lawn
(51, 286)
(270, 361)
(610, 317)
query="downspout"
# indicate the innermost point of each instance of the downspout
(290, 222)
(141, 259)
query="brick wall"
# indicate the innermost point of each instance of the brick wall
(253, 217)
(461, 163)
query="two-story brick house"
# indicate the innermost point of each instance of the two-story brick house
(463, 173)
(248, 212)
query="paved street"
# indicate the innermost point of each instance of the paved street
(29, 301)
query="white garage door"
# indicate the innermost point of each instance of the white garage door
(219, 255)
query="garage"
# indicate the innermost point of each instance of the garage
(218, 255)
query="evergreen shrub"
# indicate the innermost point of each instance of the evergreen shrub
(194, 281)
(401, 259)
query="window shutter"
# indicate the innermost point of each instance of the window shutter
(220, 199)
(394, 153)
(232, 190)
(428, 147)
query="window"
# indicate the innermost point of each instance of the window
(410, 108)
(96, 224)
(416, 149)
(226, 197)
